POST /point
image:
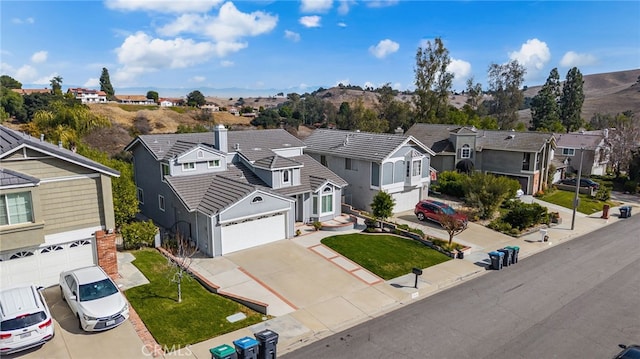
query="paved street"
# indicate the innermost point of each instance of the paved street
(579, 299)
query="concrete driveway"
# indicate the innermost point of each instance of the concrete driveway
(71, 342)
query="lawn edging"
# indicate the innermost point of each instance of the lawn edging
(256, 305)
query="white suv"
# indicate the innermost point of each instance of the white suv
(26, 319)
(93, 298)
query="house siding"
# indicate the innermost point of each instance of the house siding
(147, 173)
(65, 211)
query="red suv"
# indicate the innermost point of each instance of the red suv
(434, 210)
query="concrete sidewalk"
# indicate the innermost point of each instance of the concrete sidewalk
(314, 292)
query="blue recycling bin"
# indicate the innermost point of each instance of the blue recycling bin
(247, 348)
(625, 212)
(496, 260)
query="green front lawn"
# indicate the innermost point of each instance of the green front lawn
(587, 205)
(200, 316)
(386, 256)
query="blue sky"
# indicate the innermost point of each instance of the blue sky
(303, 45)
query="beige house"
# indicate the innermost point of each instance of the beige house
(52, 203)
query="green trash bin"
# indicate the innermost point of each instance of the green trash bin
(516, 250)
(223, 351)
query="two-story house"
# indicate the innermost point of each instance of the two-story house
(88, 95)
(524, 156)
(231, 190)
(592, 146)
(52, 203)
(373, 162)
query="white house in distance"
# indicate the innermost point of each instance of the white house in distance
(88, 95)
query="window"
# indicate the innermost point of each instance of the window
(161, 202)
(189, 166)
(213, 164)
(285, 176)
(140, 195)
(568, 151)
(200, 154)
(165, 170)
(525, 161)
(314, 205)
(465, 152)
(15, 208)
(349, 164)
(323, 160)
(375, 174)
(417, 168)
(327, 200)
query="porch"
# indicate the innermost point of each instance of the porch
(343, 222)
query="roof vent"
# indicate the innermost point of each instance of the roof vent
(237, 146)
(511, 136)
(41, 137)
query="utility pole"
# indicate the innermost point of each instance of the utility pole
(576, 199)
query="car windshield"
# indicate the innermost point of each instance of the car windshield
(23, 321)
(448, 210)
(97, 290)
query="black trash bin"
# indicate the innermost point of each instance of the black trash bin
(268, 340)
(508, 256)
(625, 212)
(516, 251)
(247, 348)
(496, 260)
(460, 255)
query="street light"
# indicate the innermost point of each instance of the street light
(575, 199)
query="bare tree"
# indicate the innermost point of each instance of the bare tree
(624, 139)
(182, 252)
(452, 225)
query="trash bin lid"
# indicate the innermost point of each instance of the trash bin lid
(222, 351)
(515, 248)
(501, 254)
(266, 335)
(245, 343)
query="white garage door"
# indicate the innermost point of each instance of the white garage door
(406, 200)
(253, 233)
(42, 265)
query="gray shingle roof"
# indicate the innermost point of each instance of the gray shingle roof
(273, 162)
(362, 145)
(10, 178)
(578, 140)
(11, 140)
(436, 136)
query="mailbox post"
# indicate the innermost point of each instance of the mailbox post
(417, 272)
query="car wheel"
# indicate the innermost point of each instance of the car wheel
(420, 216)
(62, 294)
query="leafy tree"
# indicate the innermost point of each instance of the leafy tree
(474, 93)
(344, 120)
(572, 100)
(105, 84)
(486, 192)
(624, 140)
(366, 119)
(269, 118)
(452, 225)
(56, 85)
(396, 113)
(504, 83)
(35, 102)
(13, 104)
(196, 99)
(433, 82)
(153, 95)
(182, 251)
(9, 82)
(545, 112)
(382, 205)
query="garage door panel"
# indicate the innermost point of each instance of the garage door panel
(252, 233)
(406, 200)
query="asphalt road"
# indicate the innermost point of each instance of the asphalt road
(579, 299)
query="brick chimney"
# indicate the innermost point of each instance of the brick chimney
(220, 138)
(107, 254)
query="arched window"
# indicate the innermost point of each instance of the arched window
(256, 199)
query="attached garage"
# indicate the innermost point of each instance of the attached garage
(253, 232)
(406, 201)
(42, 265)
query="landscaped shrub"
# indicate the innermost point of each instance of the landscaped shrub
(500, 226)
(603, 194)
(630, 186)
(451, 183)
(136, 235)
(524, 215)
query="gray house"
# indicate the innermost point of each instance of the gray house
(592, 145)
(231, 190)
(524, 156)
(52, 203)
(373, 162)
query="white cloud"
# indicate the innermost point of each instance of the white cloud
(140, 53)
(198, 79)
(164, 6)
(369, 84)
(384, 48)
(345, 6)
(39, 57)
(316, 6)
(229, 26)
(5, 68)
(342, 24)
(226, 63)
(18, 21)
(344, 82)
(459, 68)
(293, 36)
(26, 74)
(310, 21)
(573, 59)
(381, 3)
(92, 82)
(396, 86)
(45, 80)
(533, 55)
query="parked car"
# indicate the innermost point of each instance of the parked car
(584, 182)
(434, 210)
(25, 319)
(93, 298)
(629, 352)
